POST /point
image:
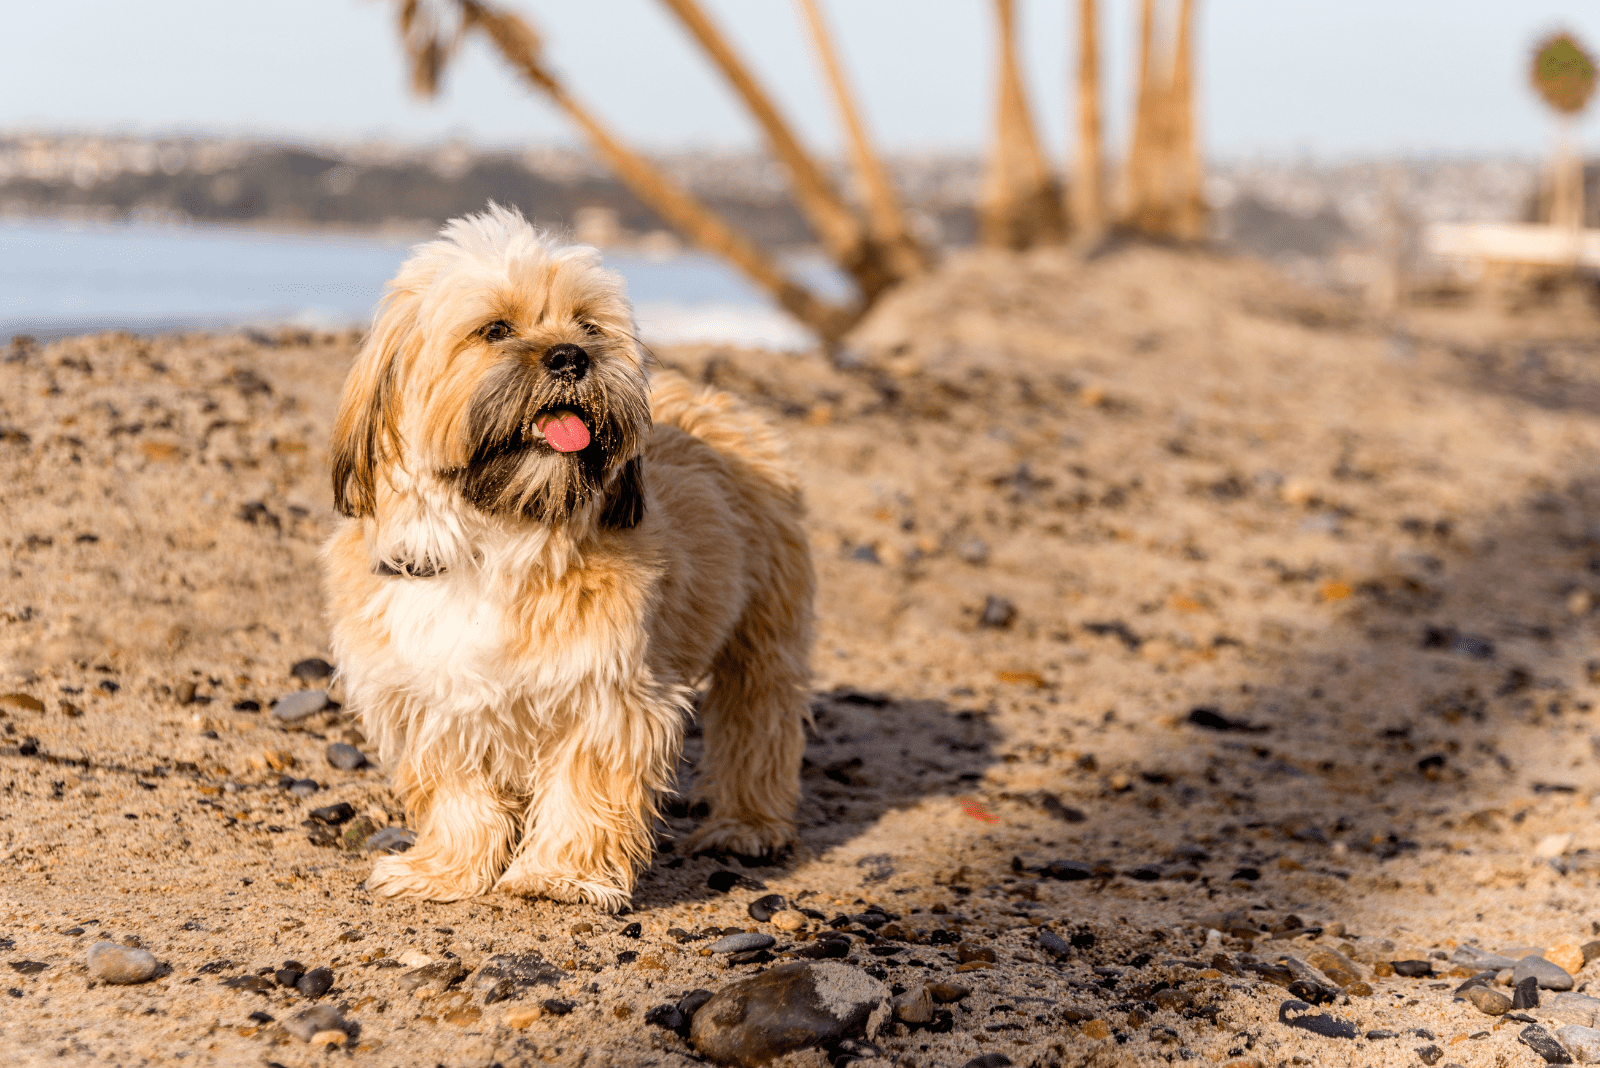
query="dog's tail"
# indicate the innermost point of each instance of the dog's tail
(720, 421)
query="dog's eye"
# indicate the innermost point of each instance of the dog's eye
(592, 329)
(498, 330)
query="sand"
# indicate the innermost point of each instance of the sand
(1376, 542)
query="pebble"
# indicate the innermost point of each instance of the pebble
(392, 840)
(1544, 1044)
(312, 669)
(293, 707)
(741, 943)
(1582, 1042)
(915, 1006)
(346, 757)
(763, 909)
(974, 551)
(334, 814)
(516, 970)
(315, 983)
(1550, 976)
(1412, 969)
(1296, 1013)
(307, 1024)
(1053, 943)
(21, 702)
(947, 993)
(788, 920)
(787, 1008)
(1487, 1000)
(1573, 1009)
(111, 963)
(1526, 994)
(1479, 960)
(304, 787)
(1569, 958)
(998, 613)
(431, 979)
(414, 958)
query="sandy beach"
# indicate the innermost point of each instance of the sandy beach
(1179, 628)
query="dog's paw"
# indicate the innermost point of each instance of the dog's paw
(605, 895)
(741, 838)
(400, 876)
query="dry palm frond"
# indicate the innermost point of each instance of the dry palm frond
(848, 243)
(1088, 180)
(519, 45)
(1021, 202)
(885, 215)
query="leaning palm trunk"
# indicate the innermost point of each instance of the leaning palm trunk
(1187, 189)
(1162, 179)
(885, 215)
(1142, 169)
(1021, 204)
(840, 231)
(1088, 179)
(519, 45)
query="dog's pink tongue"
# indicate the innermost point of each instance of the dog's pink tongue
(564, 431)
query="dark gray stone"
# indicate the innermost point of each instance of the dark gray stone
(1582, 1042)
(308, 1022)
(312, 669)
(998, 613)
(1544, 1044)
(346, 757)
(260, 984)
(1053, 943)
(1297, 1014)
(763, 909)
(517, 970)
(294, 707)
(438, 977)
(1412, 969)
(1480, 960)
(742, 943)
(315, 983)
(111, 963)
(1550, 976)
(787, 1008)
(304, 788)
(1526, 993)
(391, 840)
(1430, 1054)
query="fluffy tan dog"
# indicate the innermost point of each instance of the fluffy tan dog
(547, 551)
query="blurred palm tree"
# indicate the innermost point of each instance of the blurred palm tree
(1563, 74)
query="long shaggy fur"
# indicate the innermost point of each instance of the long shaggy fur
(521, 629)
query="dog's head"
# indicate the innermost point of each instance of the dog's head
(501, 366)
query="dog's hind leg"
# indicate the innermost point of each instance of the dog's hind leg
(754, 717)
(464, 841)
(590, 819)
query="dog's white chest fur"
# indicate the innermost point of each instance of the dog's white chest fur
(448, 638)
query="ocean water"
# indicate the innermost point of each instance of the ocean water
(60, 278)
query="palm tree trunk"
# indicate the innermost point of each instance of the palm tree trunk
(1021, 204)
(885, 215)
(1188, 205)
(1140, 170)
(1088, 179)
(519, 46)
(840, 232)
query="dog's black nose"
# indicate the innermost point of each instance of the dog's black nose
(567, 360)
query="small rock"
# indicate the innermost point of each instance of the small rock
(312, 669)
(1069, 871)
(21, 702)
(722, 881)
(1295, 1013)
(329, 1039)
(315, 983)
(308, 1023)
(788, 920)
(580, 929)
(432, 979)
(1430, 1054)
(974, 551)
(1412, 969)
(1582, 1042)
(287, 976)
(524, 1017)
(915, 1006)
(414, 958)
(1572, 1008)
(1544, 1044)
(1487, 1000)
(1526, 994)
(967, 952)
(1591, 950)
(345, 757)
(518, 969)
(667, 1017)
(741, 943)
(294, 707)
(1569, 958)
(1053, 943)
(948, 993)
(391, 840)
(787, 1008)
(260, 984)
(763, 909)
(334, 814)
(304, 787)
(111, 963)
(998, 613)
(1550, 976)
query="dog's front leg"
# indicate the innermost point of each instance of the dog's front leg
(589, 825)
(465, 840)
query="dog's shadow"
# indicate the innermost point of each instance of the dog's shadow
(866, 753)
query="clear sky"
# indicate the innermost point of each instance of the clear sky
(1330, 78)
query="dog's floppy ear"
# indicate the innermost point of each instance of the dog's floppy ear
(367, 429)
(625, 499)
